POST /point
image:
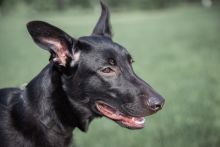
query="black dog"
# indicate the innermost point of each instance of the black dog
(86, 78)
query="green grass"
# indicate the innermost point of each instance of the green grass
(176, 50)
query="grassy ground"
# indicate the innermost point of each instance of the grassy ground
(176, 50)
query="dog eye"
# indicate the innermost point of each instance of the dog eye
(131, 61)
(107, 70)
(112, 62)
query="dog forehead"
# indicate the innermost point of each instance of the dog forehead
(104, 45)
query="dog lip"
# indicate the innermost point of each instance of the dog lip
(109, 111)
(131, 122)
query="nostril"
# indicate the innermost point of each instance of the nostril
(155, 103)
(157, 107)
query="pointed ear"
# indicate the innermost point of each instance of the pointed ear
(51, 38)
(103, 26)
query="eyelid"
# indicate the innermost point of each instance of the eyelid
(105, 70)
(111, 73)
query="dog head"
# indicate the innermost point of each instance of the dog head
(98, 74)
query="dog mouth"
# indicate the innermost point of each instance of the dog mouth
(114, 114)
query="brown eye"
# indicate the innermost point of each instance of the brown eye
(112, 62)
(107, 70)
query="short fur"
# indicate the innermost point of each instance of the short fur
(63, 95)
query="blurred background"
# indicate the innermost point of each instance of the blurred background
(176, 48)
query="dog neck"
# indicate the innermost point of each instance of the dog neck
(46, 97)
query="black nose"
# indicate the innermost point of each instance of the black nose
(155, 103)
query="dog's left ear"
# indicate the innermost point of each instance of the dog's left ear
(103, 26)
(51, 38)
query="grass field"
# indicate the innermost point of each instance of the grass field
(176, 50)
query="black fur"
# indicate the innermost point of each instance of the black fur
(63, 96)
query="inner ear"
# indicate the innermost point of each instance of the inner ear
(53, 39)
(57, 47)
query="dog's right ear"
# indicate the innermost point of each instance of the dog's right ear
(51, 38)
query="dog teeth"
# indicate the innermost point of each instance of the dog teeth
(138, 120)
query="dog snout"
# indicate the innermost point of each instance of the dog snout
(155, 103)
